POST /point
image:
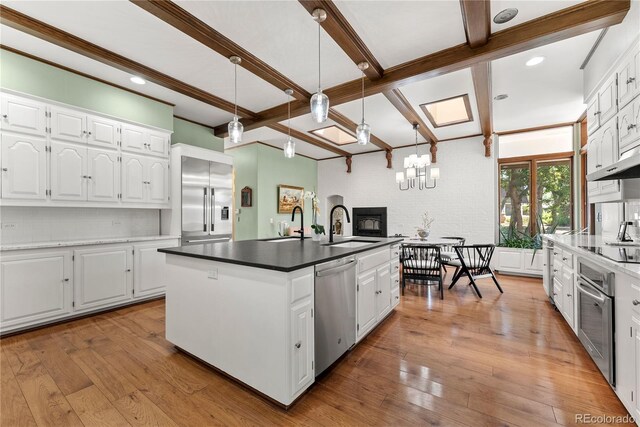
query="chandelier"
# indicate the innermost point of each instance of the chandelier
(417, 168)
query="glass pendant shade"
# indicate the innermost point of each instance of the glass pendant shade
(235, 130)
(319, 107)
(289, 148)
(363, 133)
(435, 173)
(411, 173)
(399, 177)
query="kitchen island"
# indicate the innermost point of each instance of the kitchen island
(247, 308)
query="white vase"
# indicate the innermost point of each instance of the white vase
(423, 234)
(316, 237)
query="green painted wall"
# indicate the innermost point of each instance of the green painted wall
(27, 75)
(245, 165)
(185, 132)
(263, 168)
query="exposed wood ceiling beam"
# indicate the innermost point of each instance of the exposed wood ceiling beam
(309, 139)
(481, 74)
(340, 30)
(190, 25)
(476, 16)
(26, 24)
(403, 105)
(566, 23)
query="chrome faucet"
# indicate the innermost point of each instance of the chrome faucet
(293, 218)
(331, 220)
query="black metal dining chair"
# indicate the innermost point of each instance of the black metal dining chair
(474, 262)
(422, 264)
(447, 253)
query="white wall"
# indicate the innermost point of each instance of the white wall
(40, 224)
(463, 204)
(617, 40)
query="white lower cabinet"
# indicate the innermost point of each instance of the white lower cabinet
(302, 351)
(367, 297)
(102, 276)
(148, 267)
(35, 287)
(568, 298)
(636, 394)
(383, 292)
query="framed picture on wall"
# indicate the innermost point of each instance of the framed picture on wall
(289, 197)
(246, 197)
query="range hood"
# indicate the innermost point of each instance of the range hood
(628, 167)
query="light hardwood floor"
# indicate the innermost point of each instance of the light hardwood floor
(504, 360)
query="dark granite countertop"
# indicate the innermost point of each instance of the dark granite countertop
(285, 256)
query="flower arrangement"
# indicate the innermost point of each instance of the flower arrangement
(427, 220)
(315, 212)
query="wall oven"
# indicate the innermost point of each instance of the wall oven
(596, 315)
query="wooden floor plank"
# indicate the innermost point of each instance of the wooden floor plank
(508, 359)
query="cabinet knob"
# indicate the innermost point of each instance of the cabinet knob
(631, 126)
(595, 113)
(631, 80)
(4, 169)
(65, 280)
(298, 344)
(555, 294)
(635, 302)
(564, 259)
(89, 177)
(128, 270)
(4, 116)
(569, 295)
(555, 253)
(397, 297)
(555, 270)
(89, 132)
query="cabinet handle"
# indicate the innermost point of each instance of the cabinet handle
(397, 267)
(555, 253)
(612, 169)
(4, 169)
(89, 133)
(635, 302)
(128, 270)
(555, 295)
(569, 295)
(555, 270)
(298, 344)
(65, 280)
(595, 113)
(4, 116)
(598, 166)
(89, 177)
(631, 80)
(631, 126)
(397, 297)
(564, 259)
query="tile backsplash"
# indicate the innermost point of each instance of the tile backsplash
(632, 213)
(42, 224)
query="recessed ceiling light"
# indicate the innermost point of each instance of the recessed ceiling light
(535, 61)
(501, 97)
(138, 80)
(505, 15)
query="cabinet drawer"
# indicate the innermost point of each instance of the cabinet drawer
(373, 259)
(395, 280)
(394, 267)
(567, 259)
(557, 293)
(394, 252)
(635, 298)
(395, 297)
(557, 257)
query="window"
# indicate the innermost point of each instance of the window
(335, 135)
(535, 174)
(446, 112)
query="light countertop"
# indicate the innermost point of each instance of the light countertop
(87, 242)
(574, 243)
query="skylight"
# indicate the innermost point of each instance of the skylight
(447, 112)
(335, 135)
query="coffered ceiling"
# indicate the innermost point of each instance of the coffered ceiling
(282, 35)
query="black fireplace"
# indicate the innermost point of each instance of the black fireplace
(370, 222)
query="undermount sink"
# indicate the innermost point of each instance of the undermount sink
(352, 244)
(283, 240)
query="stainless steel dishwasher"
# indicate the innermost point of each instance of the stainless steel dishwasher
(335, 306)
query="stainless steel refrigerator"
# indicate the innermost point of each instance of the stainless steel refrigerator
(206, 201)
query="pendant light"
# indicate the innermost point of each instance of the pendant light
(416, 170)
(290, 145)
(319, 101)
(235, 127)
(363, 131)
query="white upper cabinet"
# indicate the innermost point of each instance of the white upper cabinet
(628, 132)
(157, 181)
(22, 115)
(133, 178)
(102, 132)
(134, 138)
(68, 125)
(68, 171)
(24, 167)
(103, 175)
(608, 154)
(628, 85)
(158, 144)
(592, 115)
(607, 100)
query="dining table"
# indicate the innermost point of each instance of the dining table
(429, 241)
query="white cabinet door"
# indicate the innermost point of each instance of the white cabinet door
(148, 269)
(133, 178)
(102, 277)
(592, 115)
(158, 144)
(607, 100)
(302, 346)
(22, 115)
(157, 180)
(24, 168)
(628, 126)
(558, 300)
(68, 125)
(68, 171)
(609, 154)
(134, 138)
(568, 297)
(636, 340)
(366, 302)
(628, 85)
(383, 292)
(102, 132)
(103, 175)
(593, 159)
(34, 288)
